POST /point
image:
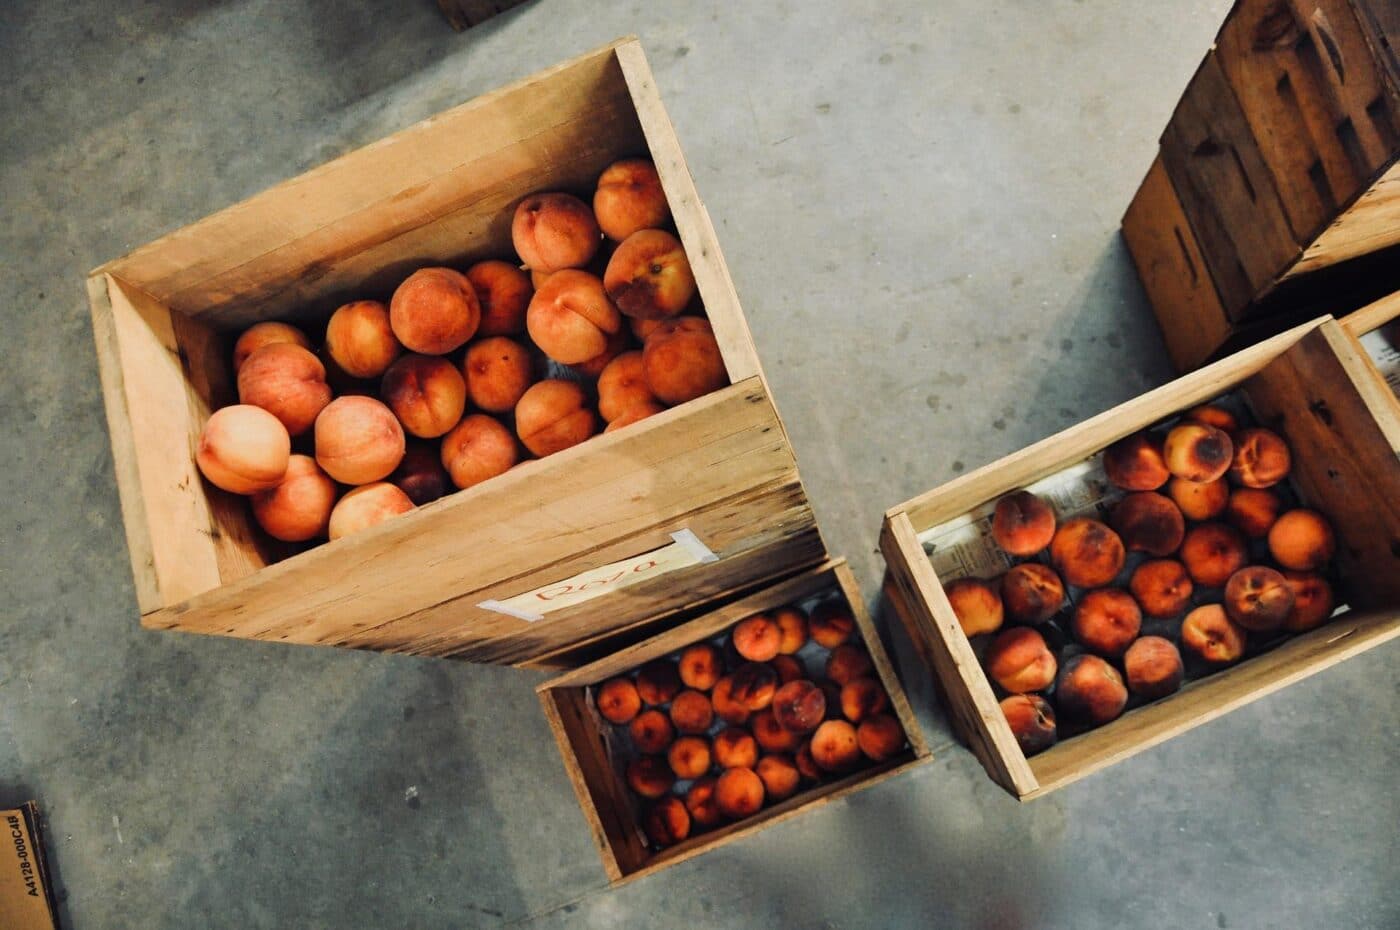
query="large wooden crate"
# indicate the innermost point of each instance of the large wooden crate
(440, 192)
(1311, 385)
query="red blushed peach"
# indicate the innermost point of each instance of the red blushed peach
(779, 775)
(727, 707)
(629, 198)
(668, 822)
(622, 385)
(651, 732)
(1106, 621)
(880, 737)
(618, 343)
(1154, 667)
(649, 276)
(806, 765)
(434, 311)
(1302, 540)
(265, 334)
(799, 706)
(360, 339)
(848, 661)
(658, 681)
(1261, 459)
(498, 373)
(788, 668)
(1032, 722)
(1211, 415)
(977, 605)
(1136, 463)
(1023, 524)
(1019, 661)
(1212, 552)
(366, 506)
(771, 735)
(739, 793)
(1090, 690)
(299, 507)
(1148, 522)
(554, 231)
(862, 697)
(1253, 511)
(1199, 500)
(756, 638)
(754, 684)
(570, 317)
(552, 416)
(650, 776)
(831, 624)
(358, 440)
(792, 624)
(1312, 601)
(700, 802)
(421, 474)
(689, 756)
(243, 449)
(735, 749)
(1087, 553)
(503, 292)
(618, 701)
(1198, 452)
(681, 361)
(1258, 598)
(288, 382)
(835, 747)
(478, 448)
(1212, 636)
(426, 393)
(1031, 593)
(700, 666)
(691, 713)
(1162, 587)
(633, 415)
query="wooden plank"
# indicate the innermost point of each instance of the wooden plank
(1372, 316)
(1369, 225)
(1382, 19)
(463, 14)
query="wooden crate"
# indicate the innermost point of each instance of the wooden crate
(611, 813)
(1376, 329)
(440, 192)
(1311, 385)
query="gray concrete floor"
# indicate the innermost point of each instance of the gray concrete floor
(919, 205)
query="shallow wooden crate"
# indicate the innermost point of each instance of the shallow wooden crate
(602, 793)
(1312, 386)
(440, 192)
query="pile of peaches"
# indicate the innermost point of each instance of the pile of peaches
(448, 384)
(1203, 555)
(715, 733)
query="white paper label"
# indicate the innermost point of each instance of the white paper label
(1385, 353)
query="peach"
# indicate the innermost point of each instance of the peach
(650, 776)
(668, 822)
(735, 749)
(1261, 459)
(806, 765)
(649, 276)
(862, 697)
(779, 775)
(358, 440)
(1023, 524)
(1105, 621)
(1019, 660)
(1312, 601)
(976, 604)
(288, 382)
(1212, 415)
(1253, 511)
(537, 278)
(701, 666)
(1198, 452)
(754, 685)
(618, 343)
(831, 624)
(1148, 522)
(756, 638)
(498, 373)
(421, 474)
(434, 311)
(1212, 636)
(689, 756)
(658, 681)
(1031, 593)
(799, 706)
(682, 361)
(1032, 722)
(835, 747)
(1162, 587)
(629, 198)
(618, 701)
(1090, 690)
(477, 449)
(426, 393)
(788, 668)
(554, 231)
(360, 339)
(880, 737)
(726, 706)
(622, 386)
(571, 318)
(299, 507)
(848, 661)
(1302, 540)
(691, 713)
(503, 292)
(1153, 667)
(772, 736)
(700, 802)
(1258, 599)
(651, 731)
(1199, 500)
(365, 506)
(243, 449)
(641, 329)
(739, 793)
(1212, 552)
(832, 691)
(1086, 553)
(633, 415)
(1135, 463)
(552, 416)
(792, 624)
(263, 334)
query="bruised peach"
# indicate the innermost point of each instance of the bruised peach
(243, 449)
(1019, 660)
(771, 735)
(434, 311)
(503, 292)
(1090, 690)
(263, 334)
(360, 339)
(358, 440)
(788, 668)
(831, 624)
(1212, 552)
(651, 731)
(649, 276)
(700, 666)
(629, 197)
(848, 661)
(1032, 722)
(681, 361)
(1162, 587)
(618, 701)
(1261, 459)
(1031, 593)
(1106, 621)
(779, 775)
(880, 737)
(799, 706)
(421, 474)
(1023, 524)
(727, 707)
(571, 318)
(1198, 452)
(658, 681)
(477, 449)
(1209, 633)
(1135, 463)
(739, 793)
(299, 507)
(735, 748)
(792, 625)
(1199, 500)
(650, 776)
(668, 822)
(835, 747)
(426, 393)
(977, 605)
(806, 765)
(1258, 598)
(691, 712)
(554, 231)
(1154, 668)
(1253, 511)
(552, 416)
(861, 697)
(700, 802)
(1148, 522)
(1212, 415)
(1312, 601)
(689, 756)
(366, 506)
(756, 638)
(498, 373)
(633, 415)
(1086, 553)
(622, 385)
(288, 382)
(754, 684)
(1302, 540)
